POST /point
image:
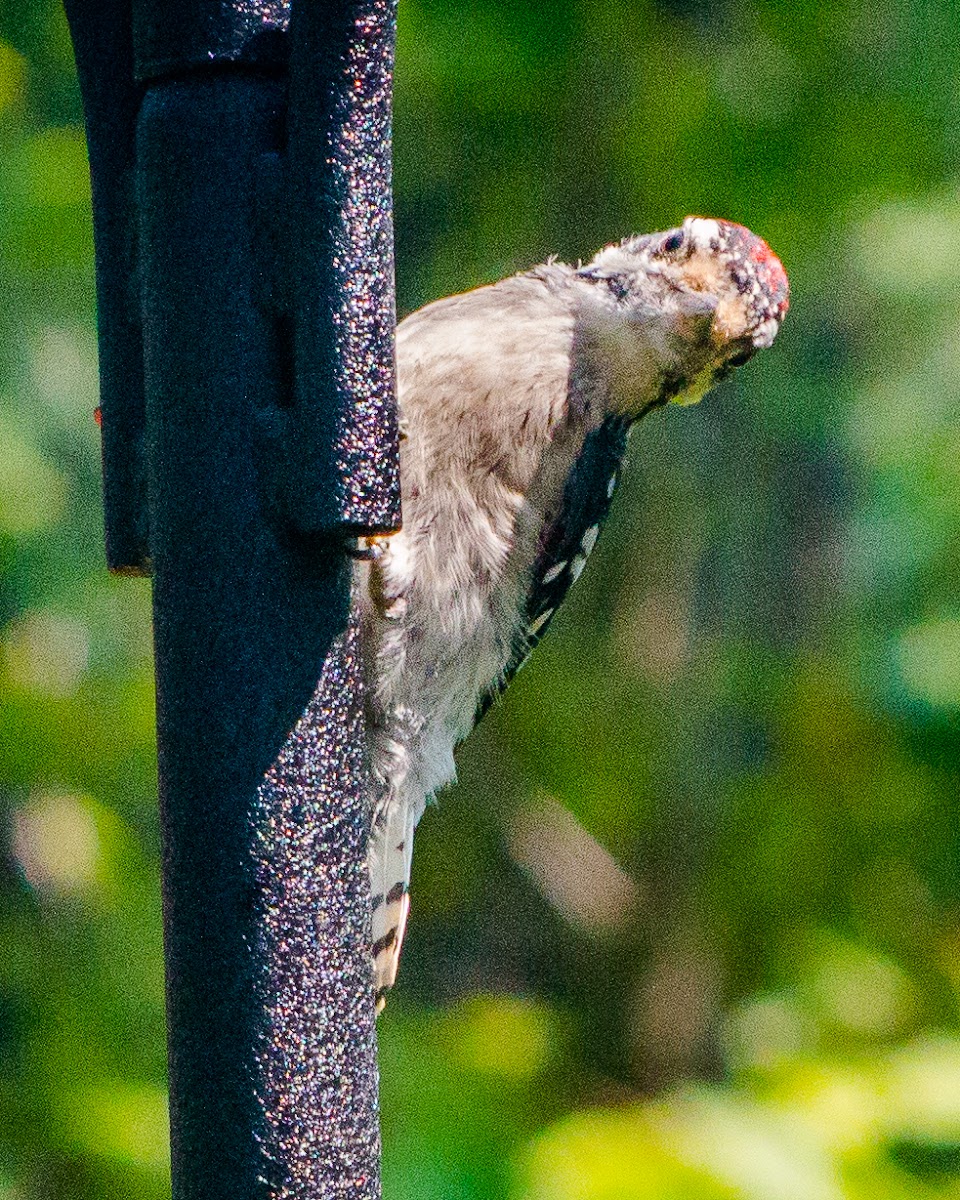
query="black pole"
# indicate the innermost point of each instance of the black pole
(255, 483)
(341, 76)
(103, 45)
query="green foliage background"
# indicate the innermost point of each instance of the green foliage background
(735, 974)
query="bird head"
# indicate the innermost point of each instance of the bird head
(716, 285)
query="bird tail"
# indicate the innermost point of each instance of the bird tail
(389, 857)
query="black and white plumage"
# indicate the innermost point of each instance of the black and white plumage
(516, 401)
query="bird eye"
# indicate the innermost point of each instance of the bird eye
(673, 242)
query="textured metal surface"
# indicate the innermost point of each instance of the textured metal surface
(336, 451)
(247, 620)
(175, 37)
(344, 419)
(214, 246)
(317, 1081)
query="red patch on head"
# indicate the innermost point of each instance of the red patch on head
(774, 276)
(761, 254)
(98, 415)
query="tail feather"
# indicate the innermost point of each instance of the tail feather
(390, 856)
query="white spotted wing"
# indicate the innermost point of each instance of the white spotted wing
(568, 538)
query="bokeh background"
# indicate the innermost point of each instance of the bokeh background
(689, 927)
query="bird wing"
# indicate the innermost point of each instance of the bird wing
(567, 539)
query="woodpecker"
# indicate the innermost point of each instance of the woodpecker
(516, 401)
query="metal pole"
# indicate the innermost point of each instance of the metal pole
(103, 46)
(272, 1048)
